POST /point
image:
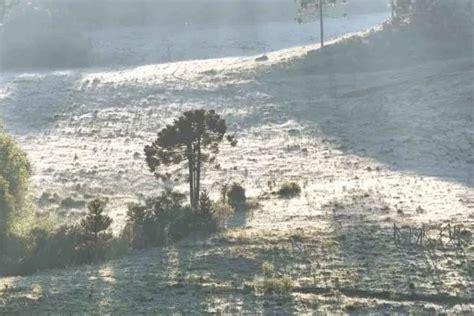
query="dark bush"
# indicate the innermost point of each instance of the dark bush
(56, 249)
(166, 219)
(236, 196)
(44, 250)
(289, 190)
(142, 229)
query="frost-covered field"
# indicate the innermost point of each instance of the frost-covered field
(370, 149)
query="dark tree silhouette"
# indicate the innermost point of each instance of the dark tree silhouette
(236, 196)
(96, 222)
(185, 140)
(206, 209)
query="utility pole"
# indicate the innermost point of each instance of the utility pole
(321, 22)
(392, 6)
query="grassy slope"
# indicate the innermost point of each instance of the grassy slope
(366, 138)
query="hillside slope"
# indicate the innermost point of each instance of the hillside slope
(372, 143)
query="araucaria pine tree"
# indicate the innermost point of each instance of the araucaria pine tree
(96, 222)
(193, 138)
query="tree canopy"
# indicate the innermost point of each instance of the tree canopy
(185, 140)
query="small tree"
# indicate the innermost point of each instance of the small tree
(96, 222)
(206, 209)
(186, 140)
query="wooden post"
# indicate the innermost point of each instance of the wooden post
(321, 22)
(392, 6)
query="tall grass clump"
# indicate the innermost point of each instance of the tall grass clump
(273, 283)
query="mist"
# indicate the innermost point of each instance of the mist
(70, 34)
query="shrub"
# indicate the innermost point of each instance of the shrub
(222, 210)
(165, 219)
(150, 223)
(136, 213)
(236, 196)
(289, 190)
(267, 269)
(355, 306)
(275, 284)
(14, 174)
(45, 247)
(282, 284)
(57, 249)
(165, 205)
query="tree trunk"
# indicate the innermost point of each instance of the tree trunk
(321, 22)
(195, 200)
(3, 223)
(198, 171)
(392, 6)
(190, 155)
(2, 242)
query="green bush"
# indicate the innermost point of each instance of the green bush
(43, 247)
(14, 175)
(289, 190)
(57, 249)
